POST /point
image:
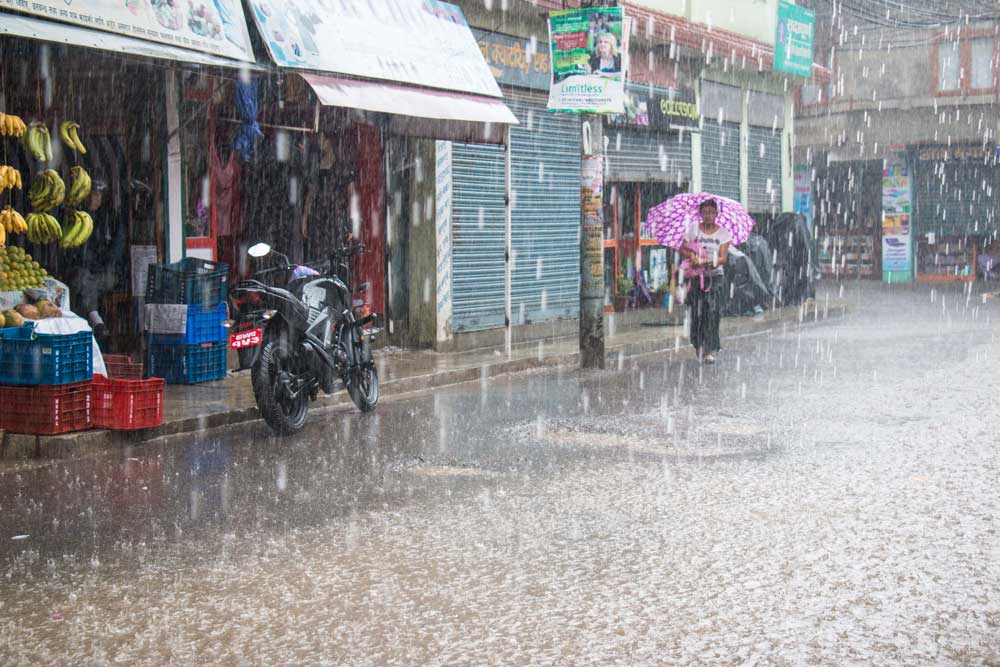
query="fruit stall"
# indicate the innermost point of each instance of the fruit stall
(53, 378)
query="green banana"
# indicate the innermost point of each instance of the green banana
(80, 186)
(79, 231)
(48, 191)
(70, 137)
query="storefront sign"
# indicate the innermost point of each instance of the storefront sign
(897, 247)
(422, 42)
(658, 108)
(896, 253)
(896, 197)
(589, 58)
(217, 27)
(514, 60)
(793, 40)
(941, 153)
(442, 223)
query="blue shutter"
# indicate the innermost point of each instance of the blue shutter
(720, 159)
(545, 212)
(478, 229)
(640, 156)
(764, 151)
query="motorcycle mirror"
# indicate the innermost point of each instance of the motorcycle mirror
(259, 250)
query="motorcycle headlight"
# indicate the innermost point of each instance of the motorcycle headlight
(268, 314)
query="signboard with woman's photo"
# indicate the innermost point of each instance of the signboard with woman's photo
(589, 60)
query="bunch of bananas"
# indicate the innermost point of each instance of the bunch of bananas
(38, 142)
(68, 134)
(11, 125)
(12, 222)
(9, 178)
(79, 231)
(43, 228)
(79, 186)
(48, 191)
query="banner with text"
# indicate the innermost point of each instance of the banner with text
(589, 59)
(793, 40)
(218, 27)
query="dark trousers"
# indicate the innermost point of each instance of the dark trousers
(706, 309)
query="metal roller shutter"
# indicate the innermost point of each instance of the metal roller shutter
(765, 174)
(545, 212)
(720, 159)
(635, 155)
(957, 197)
(478, 229)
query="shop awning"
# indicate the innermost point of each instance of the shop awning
(408, 100)
(415, 58)
(64, 33)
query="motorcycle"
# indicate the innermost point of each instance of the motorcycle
(304, 337)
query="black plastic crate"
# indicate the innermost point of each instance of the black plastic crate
(191, 280)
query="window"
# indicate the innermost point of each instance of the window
(949, 66)
(964, 67)
(982, 63)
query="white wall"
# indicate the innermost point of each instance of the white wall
(754, 19)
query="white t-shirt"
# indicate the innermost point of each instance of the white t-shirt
(710, 243)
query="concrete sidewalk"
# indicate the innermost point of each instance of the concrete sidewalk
(194, 408)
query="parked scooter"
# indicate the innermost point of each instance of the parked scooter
(304, 336)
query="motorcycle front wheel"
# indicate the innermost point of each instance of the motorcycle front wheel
(284, 414)
(362, 385)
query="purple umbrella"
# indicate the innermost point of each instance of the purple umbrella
(670, 220)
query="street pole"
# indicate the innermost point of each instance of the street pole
(592, 243)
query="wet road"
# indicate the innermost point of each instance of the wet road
(826, 495)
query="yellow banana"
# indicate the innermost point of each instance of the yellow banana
(79, 187)
(11, 125)
(3, 236)
(75, 138)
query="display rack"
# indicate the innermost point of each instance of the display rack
(946, 260)
(847, 255)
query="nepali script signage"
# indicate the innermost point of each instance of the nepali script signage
(514, 60)
(420, 42)
(658, 108)
(589, 59)
(218, 27)
(793, 40)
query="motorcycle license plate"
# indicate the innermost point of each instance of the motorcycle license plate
(243, 339)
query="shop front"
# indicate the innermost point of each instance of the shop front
(648, 161)
(374, 120)
(90, 158)
(955, 210)
(516, 264)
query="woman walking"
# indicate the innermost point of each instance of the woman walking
(706, 248)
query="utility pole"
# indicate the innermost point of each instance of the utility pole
(592, 243)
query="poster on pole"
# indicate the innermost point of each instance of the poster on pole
(589, 60)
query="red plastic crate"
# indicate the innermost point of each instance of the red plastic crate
(125, 405)
(121, 367)
(46, 409)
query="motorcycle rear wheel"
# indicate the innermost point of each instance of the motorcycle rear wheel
(285, 416)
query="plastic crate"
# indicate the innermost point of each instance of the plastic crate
(121, 367)
(187, 364)
(46, 410)
(126, 405)
(29, 358)
(204, 325)
(191, 280)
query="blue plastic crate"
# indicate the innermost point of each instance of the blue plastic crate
(29, 358)
(187, 364)
(204, 325)
(191, 280)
